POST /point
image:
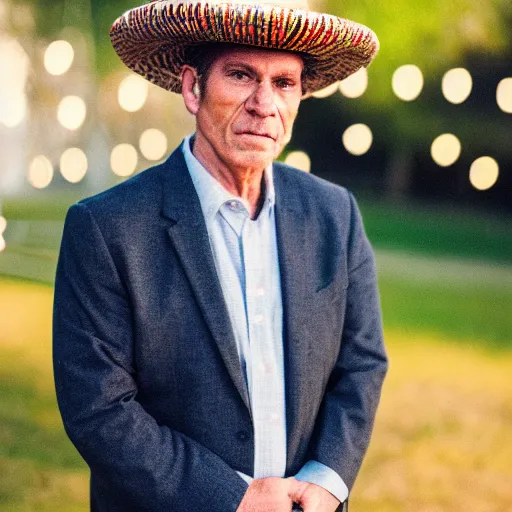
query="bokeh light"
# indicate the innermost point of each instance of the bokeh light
(3, 224)
(355, 85)
(58, 57)
(14, 64)
(484, 172)
(73, 164)
(2, 243)
(13, 108)
(153, 144)
(445, 149)
(299, 160)
(357, 139)
(133, 93)
(123, 159)
(456, 85)
(504, 95)
(407, 82)
(40, 172)
(326, 91)
(71, 112)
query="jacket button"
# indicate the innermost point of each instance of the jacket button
(242, 435)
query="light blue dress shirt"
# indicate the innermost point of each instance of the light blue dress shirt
(246, 260)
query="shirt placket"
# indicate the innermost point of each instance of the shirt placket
(267, 383)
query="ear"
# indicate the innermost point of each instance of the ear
(189, 82)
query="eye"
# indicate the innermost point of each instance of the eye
(239, 75)
(285, 83)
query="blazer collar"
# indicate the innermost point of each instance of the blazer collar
(293, 239)
(190, 239)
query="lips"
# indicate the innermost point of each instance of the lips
(259, 134)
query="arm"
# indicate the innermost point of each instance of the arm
(345, 421)
(149, 465)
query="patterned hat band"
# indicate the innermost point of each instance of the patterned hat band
(152, 39)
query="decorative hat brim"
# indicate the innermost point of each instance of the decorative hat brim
(151, 39)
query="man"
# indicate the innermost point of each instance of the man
(217, 335)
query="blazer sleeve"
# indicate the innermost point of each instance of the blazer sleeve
(149, 465)
(346, 416)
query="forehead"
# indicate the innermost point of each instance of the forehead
(265, 60)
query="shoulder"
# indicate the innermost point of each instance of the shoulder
(130, 196)
(120, 214)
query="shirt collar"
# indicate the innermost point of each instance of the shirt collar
(212, 195)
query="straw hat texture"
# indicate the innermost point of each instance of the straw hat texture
(152, 39)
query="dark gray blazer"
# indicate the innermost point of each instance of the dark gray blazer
(146, 368)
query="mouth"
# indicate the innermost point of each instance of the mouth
(259, 134)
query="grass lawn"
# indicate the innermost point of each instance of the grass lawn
(429, 229)
(441, 441)
(39, 469)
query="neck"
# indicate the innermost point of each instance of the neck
(246, 183)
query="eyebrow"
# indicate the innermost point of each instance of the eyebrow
(250, 69)
(240, 65)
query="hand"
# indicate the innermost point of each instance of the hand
(270, 494)
(313, 497)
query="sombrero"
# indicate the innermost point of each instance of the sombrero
(152, 39)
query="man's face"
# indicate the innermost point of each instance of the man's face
(250, 102)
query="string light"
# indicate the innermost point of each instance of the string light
(58, 57)
(445, 149)
(357, 139)
(484, 172)
(73, 165)
(15, 65)
(504, 95)
(326, 91)
(71, 112)
(153, 144)
(132, 93)
(40, 172)
(123, 160)
(355, 85)
(13, 109)
(456, 85)
(299, 160)
(407, 82)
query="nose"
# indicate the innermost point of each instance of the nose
(262, 101)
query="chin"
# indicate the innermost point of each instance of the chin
(255, 159)
(259, 159)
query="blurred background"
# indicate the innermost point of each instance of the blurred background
(424, 140)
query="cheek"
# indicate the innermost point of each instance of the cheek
(288, 117)
(211, 119)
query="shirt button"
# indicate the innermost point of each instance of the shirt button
(274, 419)
(256, 292)
(265, 368)
(242, 435)
(258, 319)
(233, 205)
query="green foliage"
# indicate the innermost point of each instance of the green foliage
(91, 17)
(433, 35)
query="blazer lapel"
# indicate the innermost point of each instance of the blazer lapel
(190, 238)
(294, 252)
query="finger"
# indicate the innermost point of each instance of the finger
(297, 490)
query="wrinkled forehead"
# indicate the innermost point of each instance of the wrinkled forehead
(265, 57)
(204, 56)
